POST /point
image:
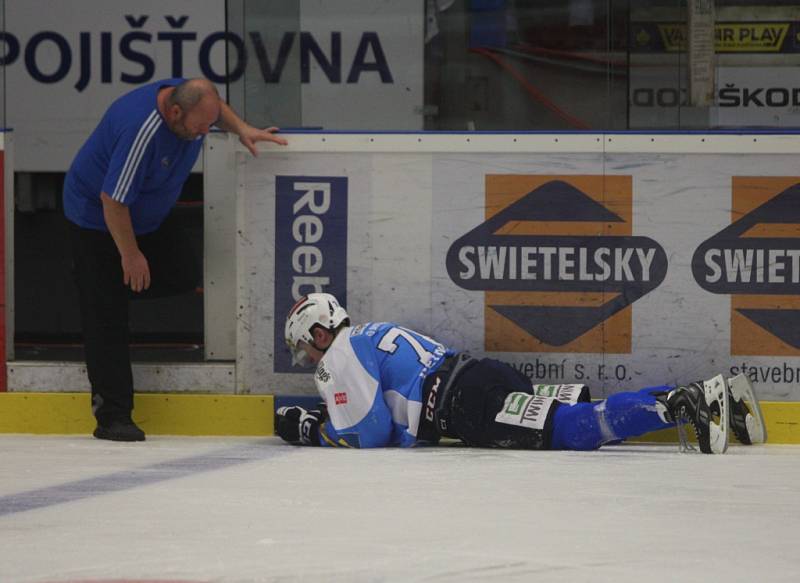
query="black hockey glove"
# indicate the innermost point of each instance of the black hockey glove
(298, 426)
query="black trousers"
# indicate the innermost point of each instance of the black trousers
(174, 269)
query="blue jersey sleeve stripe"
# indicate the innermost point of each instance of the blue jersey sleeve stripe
(131, 154)
(138, 155)
(134, 168)
(135, 155)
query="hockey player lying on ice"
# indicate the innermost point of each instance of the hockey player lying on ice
(385, 385)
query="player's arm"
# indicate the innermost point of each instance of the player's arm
(355, 415)
(357, 438)
(135, 269)
(374, 429)
(229, 121)
(128, 165)
(299, 426)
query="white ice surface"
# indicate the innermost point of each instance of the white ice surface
(240, 510)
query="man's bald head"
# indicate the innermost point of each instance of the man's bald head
(192, 107)
(191, 92)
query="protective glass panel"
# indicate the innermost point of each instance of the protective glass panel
(518, 64)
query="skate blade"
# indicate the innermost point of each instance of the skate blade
(742, 389)
(716, 391)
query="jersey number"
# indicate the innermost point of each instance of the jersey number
(389, 344)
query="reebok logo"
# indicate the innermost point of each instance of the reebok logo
(310, 246)
(558, 263)
(756, 260)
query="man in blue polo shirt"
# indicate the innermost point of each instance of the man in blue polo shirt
(118, 192)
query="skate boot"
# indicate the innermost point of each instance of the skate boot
(704, 405)
(746, 419)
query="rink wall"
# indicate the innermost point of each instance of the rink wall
(157, 414)
(6, 244)
(618, 260)
(243, 415)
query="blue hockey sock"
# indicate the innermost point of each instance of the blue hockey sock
(586, 426)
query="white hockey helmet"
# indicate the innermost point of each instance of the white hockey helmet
(317, 309)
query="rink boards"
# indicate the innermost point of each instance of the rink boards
(6, 247)
(617, 260)
(244, 415)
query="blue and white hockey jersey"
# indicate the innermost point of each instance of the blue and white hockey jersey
(371, 380)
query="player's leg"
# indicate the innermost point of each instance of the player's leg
(104, 319)
(493, 406)
(626, 415)
(587, 426)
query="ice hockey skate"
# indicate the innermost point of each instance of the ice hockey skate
(746, 418)
(705, 405)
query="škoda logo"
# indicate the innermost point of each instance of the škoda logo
(558, 263)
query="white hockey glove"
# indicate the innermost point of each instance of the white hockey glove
(298, 426)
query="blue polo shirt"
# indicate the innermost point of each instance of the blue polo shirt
(135, 159)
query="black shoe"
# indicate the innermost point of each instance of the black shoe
(119, 431)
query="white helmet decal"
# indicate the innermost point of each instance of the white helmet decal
(317, 309)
